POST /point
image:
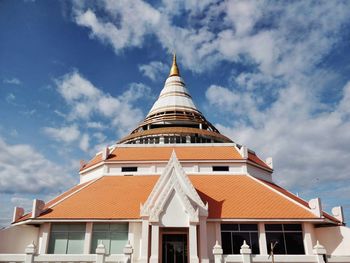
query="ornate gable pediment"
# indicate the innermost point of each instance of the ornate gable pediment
(174, 181)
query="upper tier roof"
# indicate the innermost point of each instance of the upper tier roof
(184, 153)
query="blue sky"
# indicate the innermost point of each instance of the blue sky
(76, 76)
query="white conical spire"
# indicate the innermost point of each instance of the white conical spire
(174, 96)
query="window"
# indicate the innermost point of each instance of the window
(289, 238)
(129, 169)
(67, 239)
(220, 168)
(233, 235)
(113, 236)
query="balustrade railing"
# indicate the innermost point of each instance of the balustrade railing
(30, 256)
(246, 256)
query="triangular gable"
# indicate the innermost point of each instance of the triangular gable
(173, 179)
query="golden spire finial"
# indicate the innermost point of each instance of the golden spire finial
(174, 71)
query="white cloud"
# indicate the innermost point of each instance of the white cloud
(155, 70)
(134, 20)
(277, 37)
(25, 170)
(87, 102)
(66, 134)
(85, 142)
(95, 125)
(24, 202)
(307, 148)
(14, 81)
(10, 98)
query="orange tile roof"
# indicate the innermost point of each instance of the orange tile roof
(232, 196)
(57, 199)
(228, 196)
(163, 154)
(297, 199)
(255, 159)
(220, 153)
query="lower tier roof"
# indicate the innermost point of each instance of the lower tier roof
(228, 197)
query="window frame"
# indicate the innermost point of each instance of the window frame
(68, 233)
(283, 232)
(237, 231)
(109, 231)
(220, 168)
(129, 169)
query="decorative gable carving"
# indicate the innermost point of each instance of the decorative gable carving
(174, 181)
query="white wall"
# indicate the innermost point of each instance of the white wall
(335, 239)
(16, 238)
(174, 214)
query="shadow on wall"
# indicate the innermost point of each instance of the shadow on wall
(335, 239)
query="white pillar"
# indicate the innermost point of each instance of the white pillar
(155, 243)
(218, 233)
(127, 250)
(320, 252)
(308, 233)
(144, 242)
(30, 252)
(100, 253)
(161, 140)
(217, 252)
(246, 253)
(262, 239)
(88, 237)
(44, 236)
(193, 243)
(203, 240)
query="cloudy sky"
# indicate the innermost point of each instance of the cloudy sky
(76, 76)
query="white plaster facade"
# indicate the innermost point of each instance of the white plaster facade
(175, 204)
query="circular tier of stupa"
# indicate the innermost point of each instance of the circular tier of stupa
(174, 118)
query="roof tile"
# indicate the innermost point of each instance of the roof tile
(228, 196)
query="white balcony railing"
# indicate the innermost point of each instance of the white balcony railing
(30, 256)
(246, 256)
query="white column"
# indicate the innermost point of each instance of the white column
(100, 253)
(29, 253)
(44, 236)
(131, 234)
(155, 243)
(246, 253)
(319, 252)
(217, 252)
(128, 250)
(144, 242)
(308, 232)
(193, 243)
(88, 237)
(218, 232)
(203, 240)
(262, 239)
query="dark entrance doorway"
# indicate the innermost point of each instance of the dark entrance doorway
(174, 248)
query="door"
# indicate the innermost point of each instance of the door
(174, 248)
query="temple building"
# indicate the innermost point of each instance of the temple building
(176, 190)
